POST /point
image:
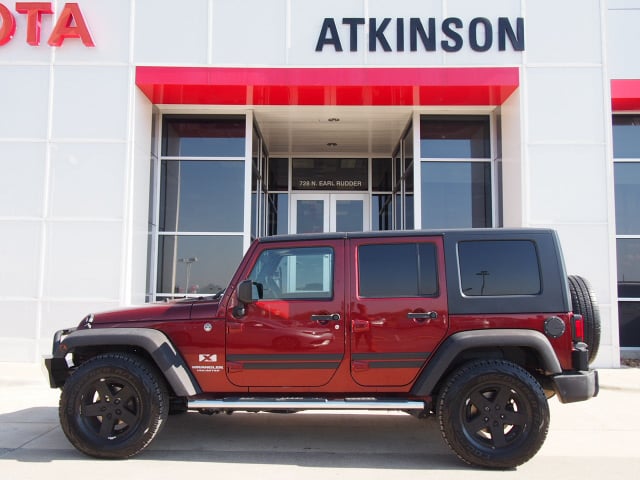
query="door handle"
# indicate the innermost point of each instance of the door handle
(332, 317)
(422, 315)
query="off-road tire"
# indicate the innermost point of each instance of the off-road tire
(493, 414)
(113, 406)
(583, 302)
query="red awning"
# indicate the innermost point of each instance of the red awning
(625, 95)
(327, 86)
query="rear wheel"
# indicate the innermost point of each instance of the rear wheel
(113, 406)
(493, 414)
(583, 302)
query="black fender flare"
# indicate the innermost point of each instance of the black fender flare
(457, 343)
(168, 360)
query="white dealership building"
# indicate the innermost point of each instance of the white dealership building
(144, 143)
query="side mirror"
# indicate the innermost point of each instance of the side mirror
(249, 292)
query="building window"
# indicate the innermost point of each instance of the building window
(402, 194)
(456, 171)
(199, 205)
(626, 148)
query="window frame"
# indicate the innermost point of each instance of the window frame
(634, 236)
(493, 160)
(155, 232)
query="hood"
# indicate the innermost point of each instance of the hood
(151, 313)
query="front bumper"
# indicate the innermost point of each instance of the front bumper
(56, 363)
(576, 386)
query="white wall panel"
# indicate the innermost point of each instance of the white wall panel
(565, 105)
(90, 102)
(623, 38)
(22, 183)
(25, 93)
(21, 315)
(249, 32)
(20, 258)
(88, 180)
(568, 184)
(19, 331)
(83, 260)
(568, 31)
(171, 33)
(512, 161)
(139, 186)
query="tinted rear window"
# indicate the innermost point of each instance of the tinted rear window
(397, 270)
(499, 268)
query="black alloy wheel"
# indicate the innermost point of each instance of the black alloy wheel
(113, 406)
(493, 414)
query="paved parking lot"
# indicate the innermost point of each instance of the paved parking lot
(595, 439)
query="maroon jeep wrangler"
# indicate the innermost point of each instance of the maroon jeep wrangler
(478, 327)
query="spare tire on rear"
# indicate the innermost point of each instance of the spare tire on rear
(584, 303)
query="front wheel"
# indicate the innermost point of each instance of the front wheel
(493, 414)
(113, 406)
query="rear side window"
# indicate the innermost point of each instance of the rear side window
(397, 270)
(499, 268)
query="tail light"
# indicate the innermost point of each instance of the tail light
(580, 353)
(577, 323)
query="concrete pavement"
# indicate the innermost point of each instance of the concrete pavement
(599, 438)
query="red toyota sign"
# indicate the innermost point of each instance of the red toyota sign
(70, 23)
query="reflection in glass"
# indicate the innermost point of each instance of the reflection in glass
(310, 216)
(629, 315)
(330, 174)
(397, 270)
(487, 268)
(408, 212)
(626, 136)
(628, 267)
(461, 136)
(382, 212)
(294, 273)
(203, 136)
(456, 194)
(202, 196)
(196, 264)
(278, 213)
(349, 215)
(627, 191)
(278, 174)
(381, 175)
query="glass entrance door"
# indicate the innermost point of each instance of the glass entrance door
(329, 212)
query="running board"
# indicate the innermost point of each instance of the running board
(304, 404)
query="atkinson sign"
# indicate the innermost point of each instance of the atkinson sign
(70, 23)
(419, 35)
